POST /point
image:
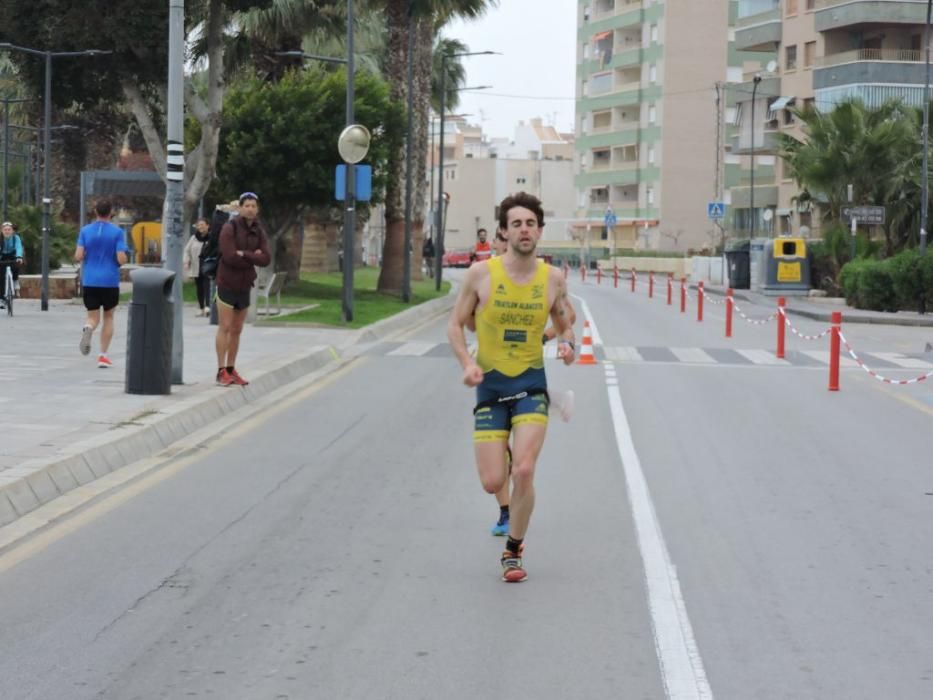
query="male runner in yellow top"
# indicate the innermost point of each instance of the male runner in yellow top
(512, 297)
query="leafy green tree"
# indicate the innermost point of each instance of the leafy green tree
(280, 141)
(136, 31)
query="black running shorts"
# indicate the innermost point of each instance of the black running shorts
(96, 297)
(233, 299)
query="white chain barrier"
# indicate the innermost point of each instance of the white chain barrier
(793, 330)
(754, 321)
(877, 376)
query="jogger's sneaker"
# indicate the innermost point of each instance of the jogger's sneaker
(104, 362)
(501, 528)
(237, 379)
(512, 569)
(224, 378)
(85, 345)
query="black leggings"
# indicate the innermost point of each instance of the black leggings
(203, 284)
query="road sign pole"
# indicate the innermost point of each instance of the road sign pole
(854, 228)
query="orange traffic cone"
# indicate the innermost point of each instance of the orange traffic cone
(586, 350)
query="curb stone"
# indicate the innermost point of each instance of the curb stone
(38, 481)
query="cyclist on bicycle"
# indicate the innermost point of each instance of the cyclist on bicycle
(11, 254)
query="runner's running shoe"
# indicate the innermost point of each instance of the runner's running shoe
(224, 378)
(85, 345)
(104, 362)
(512, 569)
(501, 528)
(237, 379)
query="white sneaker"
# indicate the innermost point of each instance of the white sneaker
(563, 402)
(85, 345)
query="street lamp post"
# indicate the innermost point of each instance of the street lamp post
(439, 214)
(349, 214)
(754, 220)
(47, 141)
(406, 267)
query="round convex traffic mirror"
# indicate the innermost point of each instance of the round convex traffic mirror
(353, 143)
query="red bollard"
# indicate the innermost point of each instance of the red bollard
(683, 295)
(633, 279)
(782, 324)
(834, 351)
(670, 288)
(615, 276)
(651, 285)
(700, 301)
(729, 303)
(599, 274)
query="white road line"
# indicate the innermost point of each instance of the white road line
(597, 339)
(823, 356)
(623, 354)
(682, 671)
(762, 357)
(901, 361)
(414, 348)
(697, 355)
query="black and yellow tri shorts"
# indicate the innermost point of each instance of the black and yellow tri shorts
(503, 402)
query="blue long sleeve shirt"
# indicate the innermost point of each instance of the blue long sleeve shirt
(11, 247)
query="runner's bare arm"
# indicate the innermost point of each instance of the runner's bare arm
(462, 315)
(560, 317)
(551, 332)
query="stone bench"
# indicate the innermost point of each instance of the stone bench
(60, 286)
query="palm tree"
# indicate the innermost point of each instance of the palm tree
(874, 150)
(428, 17)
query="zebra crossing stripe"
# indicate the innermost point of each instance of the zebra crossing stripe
(898, 359)
(413, 348)
(761, 357)
(823, 356)
(623, 354)
(694, 355)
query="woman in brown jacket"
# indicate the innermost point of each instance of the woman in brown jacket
(244, 245)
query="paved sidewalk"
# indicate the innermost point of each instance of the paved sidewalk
(65, 422)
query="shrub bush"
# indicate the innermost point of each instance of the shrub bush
(849, 280)
(875, 287)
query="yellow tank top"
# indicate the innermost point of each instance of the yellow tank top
(510, 325)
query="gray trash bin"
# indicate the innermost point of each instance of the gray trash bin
(149, 332)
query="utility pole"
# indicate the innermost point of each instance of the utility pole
(173, 214)
(754, 219)
(925, 187)
(349, 214)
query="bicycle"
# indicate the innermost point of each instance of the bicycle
(9, 291)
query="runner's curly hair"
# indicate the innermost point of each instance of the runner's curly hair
(520, 199)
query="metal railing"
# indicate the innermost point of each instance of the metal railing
(896, 55)
(822, 4)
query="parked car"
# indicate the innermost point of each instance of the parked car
(456, 258)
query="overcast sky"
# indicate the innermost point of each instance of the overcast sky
(538, 61)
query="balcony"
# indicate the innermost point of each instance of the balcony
(869, 66)
(758, 27)
(766, 143)
(621, 7)
(840, 14)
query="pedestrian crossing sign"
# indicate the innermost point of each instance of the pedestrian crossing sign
(716, 210)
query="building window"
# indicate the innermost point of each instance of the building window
(652, 114)
(650, 194)
(811, 4)
(654, 34)
(788, 117)
(790, 58)
(653, 73)
(809, 53)
(586, 50)
(791, 7)
(650, 155)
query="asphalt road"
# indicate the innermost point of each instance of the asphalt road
(707, 525)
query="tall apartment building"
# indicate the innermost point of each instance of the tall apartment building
(826, 51)
(648, 131)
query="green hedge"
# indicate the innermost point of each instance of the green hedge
(888, 285)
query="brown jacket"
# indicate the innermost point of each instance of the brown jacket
(235, 272)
